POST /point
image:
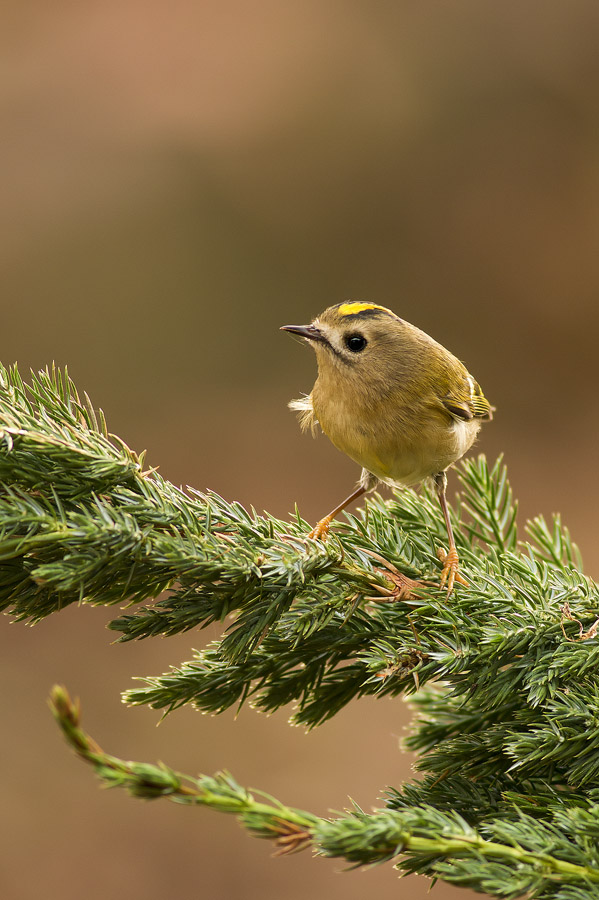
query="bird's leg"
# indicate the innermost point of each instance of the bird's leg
(321, 529)
(367, 483)
(400, 586)
(450, 560)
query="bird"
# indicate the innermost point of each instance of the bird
(395, 401)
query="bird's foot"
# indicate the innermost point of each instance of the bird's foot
(402, 587)
(450, 571)
(320, 532)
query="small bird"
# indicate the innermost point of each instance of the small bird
(394, 400)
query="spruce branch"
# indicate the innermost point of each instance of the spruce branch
(505, 858)
(80, 520)
(504, 675)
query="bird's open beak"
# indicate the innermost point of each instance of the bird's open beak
(310, 332)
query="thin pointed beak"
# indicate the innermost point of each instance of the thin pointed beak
(310, 332)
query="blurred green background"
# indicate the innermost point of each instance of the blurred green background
(180, 179)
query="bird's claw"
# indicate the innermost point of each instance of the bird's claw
(403, 587)
(450, 571)
(320, 532)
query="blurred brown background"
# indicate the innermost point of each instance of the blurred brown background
(178, 180)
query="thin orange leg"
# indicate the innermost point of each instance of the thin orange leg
(450, 560)
(321, 529)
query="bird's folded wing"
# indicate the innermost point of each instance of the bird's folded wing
(467, 402)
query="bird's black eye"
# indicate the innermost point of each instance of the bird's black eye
(355, 342)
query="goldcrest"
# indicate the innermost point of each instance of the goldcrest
(394, 400)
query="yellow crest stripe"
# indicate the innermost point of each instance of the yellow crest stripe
(351, 309)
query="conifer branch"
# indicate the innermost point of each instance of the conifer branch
(505, 675)
(504, 858)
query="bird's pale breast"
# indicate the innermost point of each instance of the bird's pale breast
(405, 452)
